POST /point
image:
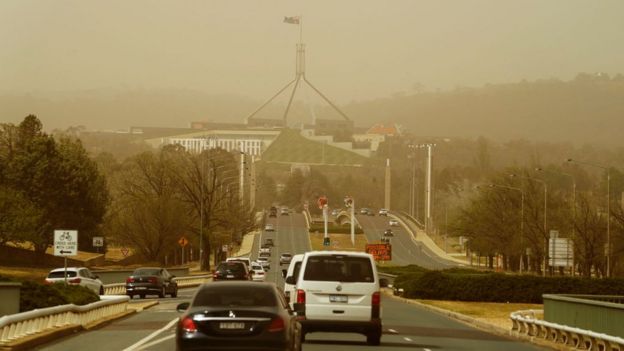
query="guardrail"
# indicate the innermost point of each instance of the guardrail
(19, 325)
(183, 282)
(525, 323)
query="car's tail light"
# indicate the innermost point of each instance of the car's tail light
(277, 324)
(74, 281)
(376, 300)
(48, 282)
(129, 280)
(301, 298)
(188, 325)
(215, 275)
(152, 280)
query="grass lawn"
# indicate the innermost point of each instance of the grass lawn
(339, 242)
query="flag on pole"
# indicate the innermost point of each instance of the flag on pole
(291, 20)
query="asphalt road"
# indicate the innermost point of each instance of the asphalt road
(405, 326)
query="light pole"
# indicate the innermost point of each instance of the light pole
(573, 208)
(606, 168)
(545, 212)
(428, 221)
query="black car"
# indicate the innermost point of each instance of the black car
(231, 270)
(388, 232)
(268, 242)
(151, 281)
(238, 316)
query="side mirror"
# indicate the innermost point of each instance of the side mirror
(284, 272)
(383, 283)
(183, 307)
(290, 280)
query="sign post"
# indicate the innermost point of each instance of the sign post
(183, 242)
(65, 244)
(349, 203)
(98, 242)
(322, 203)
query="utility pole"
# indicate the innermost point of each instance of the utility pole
(428, 187)
(387, 185)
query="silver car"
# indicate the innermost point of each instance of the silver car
(76, 276)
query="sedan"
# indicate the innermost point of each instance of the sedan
(393, 223)
(285, 258)
(258, 274)
(388, 232)
(264, 262)
(269, 228)
(151, 281)
(238, 316)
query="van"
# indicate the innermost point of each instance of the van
(291, 274)
(338, 291)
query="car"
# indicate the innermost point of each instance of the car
(285, 258)
(231, 270)
(266, 254)
(284, 212)
(335, 212)
(385, 239)
(237, 315)
(76, 276)
(273, 211)
(151, 281)
(268, 242)
(265, 249)
(388, 232)
(289, 283)
(338, 291)
(243, 259)
(393, 223)
(383, 211)
(364, 210)
(264, 262)
(269, 228)
(258, 274)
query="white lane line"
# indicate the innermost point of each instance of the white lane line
(155, 342)
(426, 349)
(393, 331)
(135, 346)
(407, 339)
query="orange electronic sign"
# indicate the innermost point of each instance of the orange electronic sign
(381, 252)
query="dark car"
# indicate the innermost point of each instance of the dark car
(388, 232)
(231, 270)
(238, 316)
(268, 242)
(151, 281)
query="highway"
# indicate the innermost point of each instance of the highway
(405, 326)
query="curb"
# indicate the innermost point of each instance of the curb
(487, 327)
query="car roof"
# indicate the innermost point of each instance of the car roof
(338, 253)
(68, 268)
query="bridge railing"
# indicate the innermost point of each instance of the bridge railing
(183, 282)
(20, 325)
(525, 323)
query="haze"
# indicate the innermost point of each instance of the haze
(356, 49)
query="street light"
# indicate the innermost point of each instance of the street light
(539, 169)
(606, 168)
(545, 211)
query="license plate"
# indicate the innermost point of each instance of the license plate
(229, 276)
(232, 325)
(141, 287)
(338, 298)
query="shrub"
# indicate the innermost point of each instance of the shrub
(35, 295)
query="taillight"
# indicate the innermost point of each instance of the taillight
(152, 280)
(376, 300)
(301, 296)
(129, 280)
(188, 325)
(215, 275)
(74, 281)
(277, 324)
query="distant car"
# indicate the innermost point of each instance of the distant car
(284, 212)
(258, 272)
(393, 223)
(285, 258)
(76, 276)
(273, 211)
(264, 262)
(151, 281)
(384, 239)
(388, 232)
(265, 249)
(269, 228)
(268, 242)
(237, 315)
(383, 211)
(364, 210)
(335, 212)
(231, 270)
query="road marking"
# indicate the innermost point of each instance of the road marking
(408, 339)
(155, 342)
(393, 331)
(136, 345)
(426, 349)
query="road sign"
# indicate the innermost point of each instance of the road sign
(65, 242)
(560, 252)
(125, 251)
(98, 241)
(183, 241)
(326, 241)
(348, 201)
(224, 248)
(381, 252)
(322, 201)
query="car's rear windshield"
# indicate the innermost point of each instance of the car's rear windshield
(286, 255)
(339, 268)
(146, 271)
(232, 296)
(231, 267)
(61, 274)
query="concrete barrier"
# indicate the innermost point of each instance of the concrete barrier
(119, 276)
(10, 297)
(183, 282)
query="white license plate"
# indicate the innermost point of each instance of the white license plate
(232, 325)
(338, 298)
(141, 287)
(229, 276)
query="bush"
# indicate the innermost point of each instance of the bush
(497, 287)
(35, 295)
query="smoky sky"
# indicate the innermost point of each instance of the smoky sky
(356, 49)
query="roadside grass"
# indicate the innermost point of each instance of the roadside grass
(33, 274)
(489, 312)
(339, 242)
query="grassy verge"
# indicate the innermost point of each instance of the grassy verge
(340, 242)
(25, 273)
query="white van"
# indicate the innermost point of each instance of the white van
(293, 273)
(338, 291)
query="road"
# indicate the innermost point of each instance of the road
(405, 326)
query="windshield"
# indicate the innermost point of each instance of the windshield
(144, 271)
(339, 268)
(61, 274)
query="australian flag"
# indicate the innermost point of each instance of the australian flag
(291, 20)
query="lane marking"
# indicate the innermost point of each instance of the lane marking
(407, 339)
(155, 342)
(135, 346)
(393, 331)
(426, 349)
